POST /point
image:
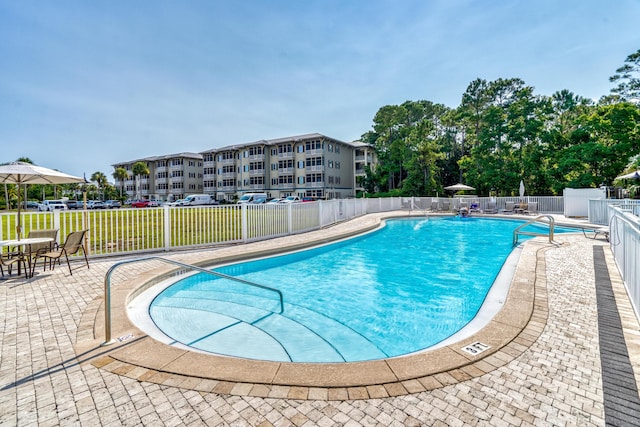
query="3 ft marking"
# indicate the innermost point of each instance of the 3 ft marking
(476, 348)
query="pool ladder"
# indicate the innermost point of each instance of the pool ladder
(540, 218)
(184, 268)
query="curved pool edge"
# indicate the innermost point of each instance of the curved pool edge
(508, 334)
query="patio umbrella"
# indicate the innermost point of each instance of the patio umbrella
(521, 189)
(25, 173)
(459, 187)
(632, 175)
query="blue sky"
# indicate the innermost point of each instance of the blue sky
(86, 84)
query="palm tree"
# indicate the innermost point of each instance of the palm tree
(120, 174)
(139, 169)
(101, 180)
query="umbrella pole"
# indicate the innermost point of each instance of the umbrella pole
(19, 223)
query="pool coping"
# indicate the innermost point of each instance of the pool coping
(511, 332)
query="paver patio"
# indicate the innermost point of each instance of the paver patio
(556, 379)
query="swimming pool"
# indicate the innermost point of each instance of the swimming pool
(399, 290)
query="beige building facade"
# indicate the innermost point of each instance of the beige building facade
(311, 165)
(171, 177)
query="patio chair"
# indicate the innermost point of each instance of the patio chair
(446, 206)
(492, 208)
(434, 206)
(475, 207)
(72, 245)
(532, 208)
(7, 260)
(41, 247)
(509, 207)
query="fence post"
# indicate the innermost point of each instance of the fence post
(289, 218)
(167, 228)
(243, 219)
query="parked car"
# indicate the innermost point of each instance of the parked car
(179, 202)
(139, 203)
(52, 205)
(95, 204)
(153, 203)
(112, 204)
(30, 205)
(199, 199)
(291, 199)
(253, 198)
(74, 204)
(275, 201)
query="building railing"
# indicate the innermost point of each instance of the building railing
(624, 235)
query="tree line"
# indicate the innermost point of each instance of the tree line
(503, 132)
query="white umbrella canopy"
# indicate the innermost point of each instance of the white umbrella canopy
(25, 173)
(459, 187)
(521, 189)
(631, 175)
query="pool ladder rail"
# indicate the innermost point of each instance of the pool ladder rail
(544, 219)
(183, 267)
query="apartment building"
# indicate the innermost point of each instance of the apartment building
(311, 165)
(170, 177)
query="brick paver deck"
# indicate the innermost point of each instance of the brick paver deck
(554, 378)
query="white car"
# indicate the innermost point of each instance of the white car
(52, 205)
(291, 199)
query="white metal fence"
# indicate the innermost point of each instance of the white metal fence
(599, 213)
(120, 231)
(546, 204)
(624, 237)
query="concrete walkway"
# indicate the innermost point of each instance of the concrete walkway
(557, 380)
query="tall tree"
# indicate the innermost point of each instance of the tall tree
(139, 170)
(120, 174)
(101, 181)
(628, 79)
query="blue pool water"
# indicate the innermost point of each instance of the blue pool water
(398, 290)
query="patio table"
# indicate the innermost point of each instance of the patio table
(23, 243)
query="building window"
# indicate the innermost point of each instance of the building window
(301, 180)
(314, 161)
(285, 164)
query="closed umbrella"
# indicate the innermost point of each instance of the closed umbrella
(25, 173)
(521, 189)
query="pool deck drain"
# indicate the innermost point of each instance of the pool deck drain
(512, 331)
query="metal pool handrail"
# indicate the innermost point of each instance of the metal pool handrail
(107, 286)
(539, 218)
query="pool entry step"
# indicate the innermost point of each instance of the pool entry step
(241, 329)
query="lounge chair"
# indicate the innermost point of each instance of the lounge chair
(601, 231)
(492, 208)
(475, 207)
(532, 208)
(72, 245)
(446, 206)
(509, 207)
(434, 206)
